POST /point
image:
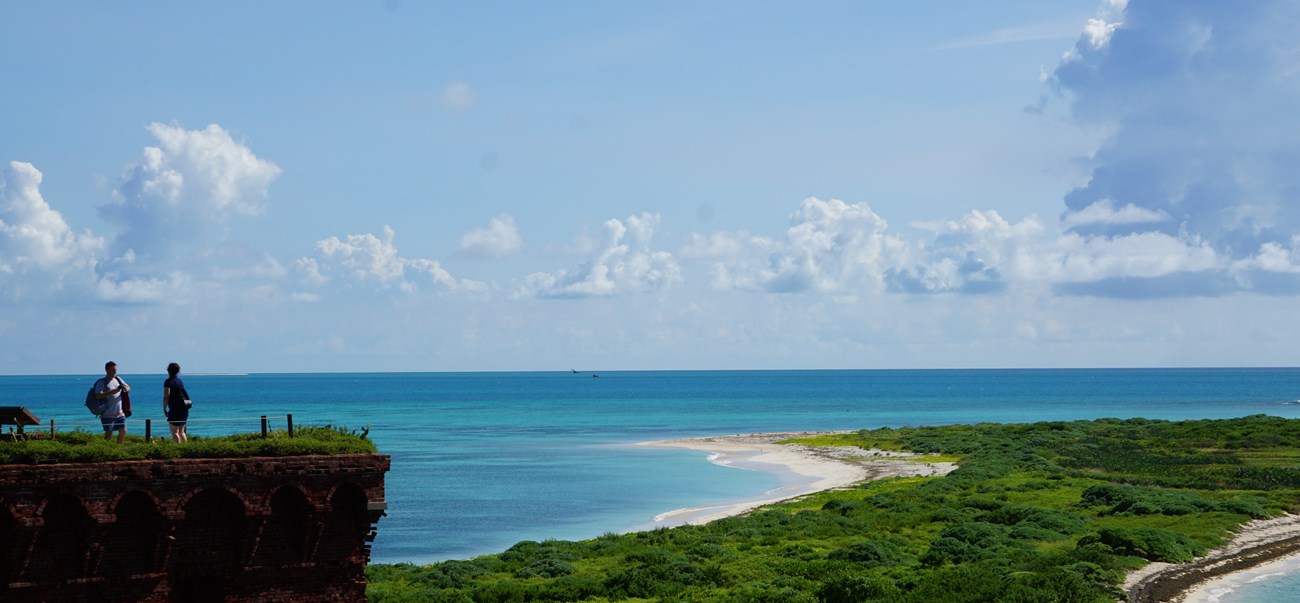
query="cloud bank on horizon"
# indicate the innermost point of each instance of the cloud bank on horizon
(1192, 194)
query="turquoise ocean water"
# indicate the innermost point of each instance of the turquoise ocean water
(1273, 589)
(1277, 582)
(484, 460)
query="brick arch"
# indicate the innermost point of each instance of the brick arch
(345, 525)
(209, 543)
(286, 529)
(62, 545)
(209, 531)
(175, 507)
(179, 503)
(339, 485)
(132, 542)
(114, 501)
(265, 500)
(39, 511)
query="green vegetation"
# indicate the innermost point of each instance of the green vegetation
(85, 447)
(1044, 512)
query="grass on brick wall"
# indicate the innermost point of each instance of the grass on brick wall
(85, 447)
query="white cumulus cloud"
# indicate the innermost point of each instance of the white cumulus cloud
(1141, 255)
(830, 246)
(117, 288)
(192, 178)
(203, 169)
(840, 248)
(366, 257)
(1274, 257)
(309, 272)
(34, 238)
(624, 263)
(169, 215)
(980, 253)
(500, 238)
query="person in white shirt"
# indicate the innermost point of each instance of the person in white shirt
(111, 388)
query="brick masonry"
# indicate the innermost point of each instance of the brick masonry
(247, 529)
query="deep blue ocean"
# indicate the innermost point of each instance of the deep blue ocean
(484, 460)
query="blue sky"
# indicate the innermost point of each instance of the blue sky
(420, 186)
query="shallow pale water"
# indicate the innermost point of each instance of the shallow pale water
(1278, 583)
(484, 460)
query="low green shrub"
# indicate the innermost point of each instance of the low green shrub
(869, 553)
(565, 588)
(545, 568)
(1140, 500)
(654, 573)
(1152, 544)
(855, 588)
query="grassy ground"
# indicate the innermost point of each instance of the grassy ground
(83, 447)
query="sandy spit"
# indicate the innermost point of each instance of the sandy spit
(810, 468)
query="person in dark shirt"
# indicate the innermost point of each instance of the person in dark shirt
(176, 403)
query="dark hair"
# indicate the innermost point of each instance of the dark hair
(173, 369)
(109, 364)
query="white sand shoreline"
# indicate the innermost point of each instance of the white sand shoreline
(803, 469)
(1260, 548)
(1216, 589)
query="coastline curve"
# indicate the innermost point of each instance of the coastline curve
(1256, 543)
(818, 468)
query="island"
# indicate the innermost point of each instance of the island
(1101, 510)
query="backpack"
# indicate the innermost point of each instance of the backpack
(96, 406)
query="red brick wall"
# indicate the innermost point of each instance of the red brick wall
(248, 529)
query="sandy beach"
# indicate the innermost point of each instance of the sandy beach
(1260, 548)
(802, 469)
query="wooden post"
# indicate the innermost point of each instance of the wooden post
(148, 430)
(263, 426)
(51, 429)
(290, 425)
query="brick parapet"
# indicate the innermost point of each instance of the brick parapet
(313, 547)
